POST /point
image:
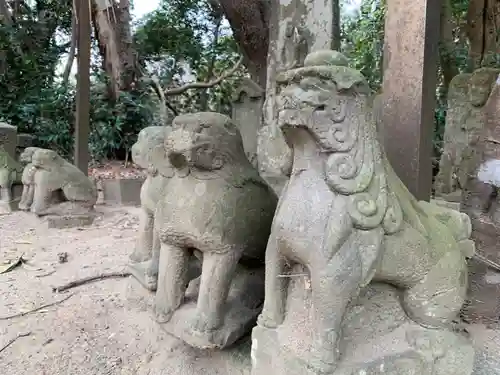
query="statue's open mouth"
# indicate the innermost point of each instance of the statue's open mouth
(178, 160)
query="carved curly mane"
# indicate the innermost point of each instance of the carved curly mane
(359, 169)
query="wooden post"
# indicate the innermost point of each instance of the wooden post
(82, 125)
(410, 75)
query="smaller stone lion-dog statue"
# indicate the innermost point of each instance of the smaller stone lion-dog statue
(10, 173)
(28, 178)
(149, 153)
(217, 206)
(348, 219)
(56, 178)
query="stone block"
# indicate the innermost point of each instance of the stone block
(122, 191)
(8, 138)
(69, 221)
(378, 339)
(25, 140)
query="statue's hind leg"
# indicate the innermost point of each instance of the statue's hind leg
(437, 299)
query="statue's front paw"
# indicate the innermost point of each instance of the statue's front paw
(163, 316)
(203, 325)
(264, 320)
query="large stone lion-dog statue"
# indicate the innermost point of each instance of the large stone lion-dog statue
(215, 205)
(60, 187)
(149, 153)
(348, 219)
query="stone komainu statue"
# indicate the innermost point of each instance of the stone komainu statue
(216, 205)
(348, 219)
(60, 187)
(149, 153)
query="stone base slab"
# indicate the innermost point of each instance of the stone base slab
(378, 338)
(122, 191)
(69, 221)
(242, 308)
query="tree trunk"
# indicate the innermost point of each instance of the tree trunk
(336, 25)
(483, 28)
(249, 21)
(112, 28)
(446, 47)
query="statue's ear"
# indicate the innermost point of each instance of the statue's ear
(160, 161)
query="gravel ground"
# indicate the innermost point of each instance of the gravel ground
(101, 328)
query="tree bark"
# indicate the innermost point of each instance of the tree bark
(336, 25)
(449, 66)
(72, 48)
(483, 28)
(249, 21)
(112, 28)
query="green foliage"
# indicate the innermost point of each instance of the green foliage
(363, 40)
(186, 36)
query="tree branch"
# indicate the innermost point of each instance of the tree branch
(155, 83)
(205, 85)
(72, 48)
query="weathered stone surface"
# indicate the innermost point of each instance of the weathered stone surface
(297, 27)
(8, 138)
(346, 218)
(465, 119)
(410, 64)
(69, 221)
(149, 153)
(378, 338)
(10, 174)
(215, 204)
(23, 141)
(480, 198)
(124, 191)
(248, 100)
(27, 178)
(243, 305)
(483, 305)
(487, 343)
(60, 188)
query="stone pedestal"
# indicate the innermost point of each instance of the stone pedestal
(70, 221)
(122, 191)
(23, 140)
(242, 308)
(8, 138)
(378, 339)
